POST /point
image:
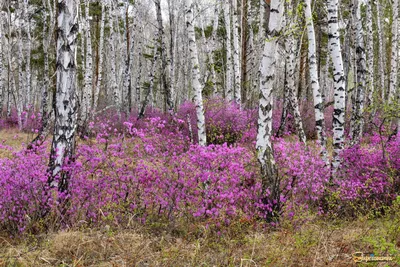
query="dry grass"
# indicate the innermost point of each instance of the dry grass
(14, 138)
(313, 244)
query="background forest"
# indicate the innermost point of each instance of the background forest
(229, 132)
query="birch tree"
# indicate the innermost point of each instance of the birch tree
(265, 156)
(47, 37)
(393, 60)
(18, 96)
(113, 65)
(236, 56)
(127, 80)
(100, 55)
(317, 95)
(339, 82)
(2, 68)
(229, 92)
(370, 86)
(357, 120)
(87, 91)
(172, 54)
(139, 75)
(290, 46)
(165, 62)
(62, 149)
(195, 68)
(28, 74)
(149, 94)
(381, 49)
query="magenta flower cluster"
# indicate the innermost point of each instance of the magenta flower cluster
(148, 170)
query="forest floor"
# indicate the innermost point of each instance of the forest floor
(314, 243)
(306, 240)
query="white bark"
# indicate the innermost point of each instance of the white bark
(229, 92)
(267, 76)
(45, 90)
(82, 27)
(19, 99)
(87, 92)
(2, 68)
(149, 94)
(209, 53)
(370, 87)
(62, 148)
(165, 62)
(127, 80)
(113, 66)
(236, 51)
(252, 52)
(291, 45)
(357, 120)
(393, 62)
(173, 37)
(265, 155)
(28, 54)
(100, 69)
(382, 50)
(214, 43)
(317, 95)
(139, 76)
(197, 88)
(339, 82)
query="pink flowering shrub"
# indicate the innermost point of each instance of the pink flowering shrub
(142, 174)
(148, 170)
(225, 122)
(304, 174)
(23, 188)
(368, 177)
(30, 120)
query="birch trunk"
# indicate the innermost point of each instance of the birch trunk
(270, 180)
(164, 61)
(173, 36)
(87, 93)
(393, 62)
(10, 76)
(370, 86)
(127, 82)
(100, 53)
(209, 54)
(339, 82)
(113, 66)
(149, 94)
(82, 46)
(291, 45)
(2, 69)
(357, 119)
(62, 149)
(47, 33)
(317, 95)
(382, 52)
(28, 55)
(19, 97)
(214, 43)
(198, 99)
(236, 56)
(229, 92)
(252, 52)
(139, 76)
